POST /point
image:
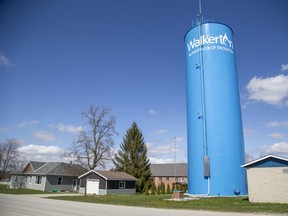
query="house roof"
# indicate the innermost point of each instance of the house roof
(54, 168)
(36, 165)
(267, 161)
(169, 169)
(110, 175)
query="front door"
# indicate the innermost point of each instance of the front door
(74, 185)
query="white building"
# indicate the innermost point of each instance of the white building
(268, 179)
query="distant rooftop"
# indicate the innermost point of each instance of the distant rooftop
(169, 169)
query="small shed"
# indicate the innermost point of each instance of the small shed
(268, 179)
(101, 182)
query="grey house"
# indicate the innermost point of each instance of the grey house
(48, 176)
(107, 182)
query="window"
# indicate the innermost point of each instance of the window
(176, 179)
(60, 179)
(167, 179)
(160, 179)
(121, 185)
(38, 179)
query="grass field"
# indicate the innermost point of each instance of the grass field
(224, 204)
(4, 189)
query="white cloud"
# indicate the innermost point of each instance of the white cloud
(4, 61)
(4, 129)
(280, 148)
(152, 112)
(162, 149)
(40, 149)
(68, 128)
(44, 135)
(271, 90)
(277, 135)
(41, 153)
(248, 132)
(165, 149)
(155, 160)
(27, 124)
(277, 124)
(284, 67)
(159, 132)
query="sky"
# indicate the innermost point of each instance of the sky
(57, 57)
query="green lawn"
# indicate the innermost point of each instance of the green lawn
(231, 204)
(4, 189)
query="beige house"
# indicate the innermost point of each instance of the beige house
(268, 179)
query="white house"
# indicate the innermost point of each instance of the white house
(268, 179)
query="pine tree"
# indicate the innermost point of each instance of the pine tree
(146, 189)
(132, 157)
(168, 189)
(158, 189)
(162, 188)
(153, 190)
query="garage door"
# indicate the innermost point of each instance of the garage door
(92, 186)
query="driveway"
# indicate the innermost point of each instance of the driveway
(19, 205)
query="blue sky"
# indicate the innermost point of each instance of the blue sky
(59, 57)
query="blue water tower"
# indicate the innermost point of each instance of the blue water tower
(214, 122)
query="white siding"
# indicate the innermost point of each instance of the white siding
(268, 184)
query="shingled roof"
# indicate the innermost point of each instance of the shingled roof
(110, 175)
(36, 165)
(169, 169)
(54, 168)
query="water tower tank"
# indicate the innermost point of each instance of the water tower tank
(214, 122)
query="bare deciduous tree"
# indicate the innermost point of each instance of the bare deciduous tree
(10, 159)
(94, 144)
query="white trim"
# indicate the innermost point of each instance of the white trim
(44, 185)
(91, 171)
(123, 182)
(39, 176)
(61, 180)
(40, 166)
(264, 158)
(73, 186)
(120, 179)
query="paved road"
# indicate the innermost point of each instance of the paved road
(19, 205)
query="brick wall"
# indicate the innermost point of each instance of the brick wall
(171, 180)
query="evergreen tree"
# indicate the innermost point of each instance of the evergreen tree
(158, 189)
(146, 189)
(184, 188)
(162, 188)
(153, 189)
(132, 157)
(168, 189)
